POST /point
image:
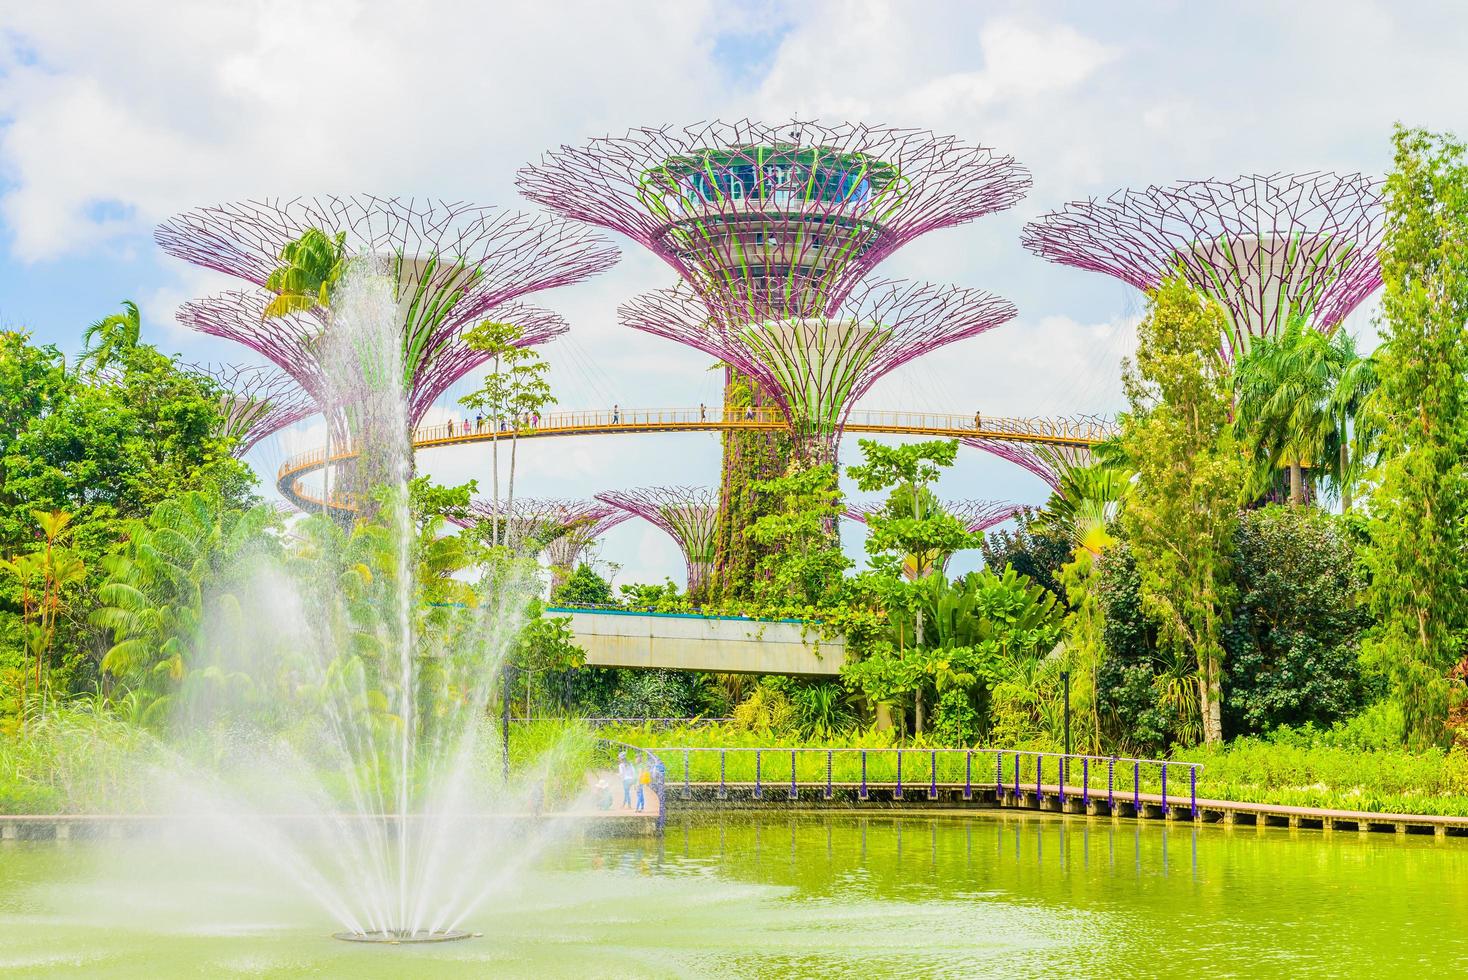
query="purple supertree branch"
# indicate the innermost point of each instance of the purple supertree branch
(689, 515)
(595, 519)
(1048, 461)
(976, 515)
(817, 368)
(294, 343)
(1265, 246)
(512, 253)
(452, 359)
(452, 264)
(638, 185)
(548, 518)
(257, 401)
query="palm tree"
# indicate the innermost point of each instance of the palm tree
(1084, 506)
(1282, 388)
(110, 336)
(1354, 435)
(310, 268)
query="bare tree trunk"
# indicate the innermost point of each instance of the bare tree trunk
(1210, 696)
(510, 501)
(884, 716)
(917, 713)
(1297, 484)
(1345, 480)
(494, 457)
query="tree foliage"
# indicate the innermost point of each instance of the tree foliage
(1180, 516)
(1419, 510)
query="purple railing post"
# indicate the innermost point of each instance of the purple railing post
(1111, 783)
(794, 791)
(862, 793)
(1193, 789)
(1086, 781)
(1137, 788)
(687, 789)
(758, 790)
(998, 777)
(968, 775)
(933, 776)
(1039, 772)
(897, 793)
(1063, 760)
(1164, 789)
(828, 774)
(1016, 775)
(723, 789)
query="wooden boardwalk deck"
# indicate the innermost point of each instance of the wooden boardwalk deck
(1075, 800)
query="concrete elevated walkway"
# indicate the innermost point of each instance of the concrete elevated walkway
(718, 644)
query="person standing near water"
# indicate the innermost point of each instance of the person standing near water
(628, 772)
(643, 778)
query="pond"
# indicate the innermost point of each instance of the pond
(1011, 895)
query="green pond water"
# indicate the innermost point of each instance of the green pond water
(796, 896)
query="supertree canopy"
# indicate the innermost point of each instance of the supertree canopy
(774, 224)
(293, 342)
(594, 518)
(816, 367)
(256, 402)
(689, 515)
(976, 515)
(786, 217)
(1048, 461)
(1265, 247)
(451, 266)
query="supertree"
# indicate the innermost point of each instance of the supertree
(450, 265)
(976, 515)
(565, 551)
(256, 401)
(1267, 248)
(689, 515)
(1048, 461)
(561, 529)
(294, 343)
(816, 367)
(780, 221)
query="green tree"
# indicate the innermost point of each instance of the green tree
(1180, 515)
(513, 394)
(1419, 510)
(920, 532)
(584, 587)
(110, 336)
(310, 268)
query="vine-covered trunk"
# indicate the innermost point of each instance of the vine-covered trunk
(748, 456)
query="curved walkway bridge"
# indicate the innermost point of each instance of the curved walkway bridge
(1061, 433)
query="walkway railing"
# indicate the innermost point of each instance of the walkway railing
(1074, 431)
(1008, 773)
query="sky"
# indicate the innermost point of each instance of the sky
(114, 115)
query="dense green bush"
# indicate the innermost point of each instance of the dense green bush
(1293, 639)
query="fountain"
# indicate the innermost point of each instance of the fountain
(345, 692)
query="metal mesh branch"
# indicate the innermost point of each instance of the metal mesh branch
(1048, 461)
(294, 343)
(452, 265)
(545, 521)
(257, 401)
(689, 515)
(594, 520)
(977, 515)
(816, 368)
(1266, 247)
(789, 215)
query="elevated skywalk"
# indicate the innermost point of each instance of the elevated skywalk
(714, 644)
(1059, 432)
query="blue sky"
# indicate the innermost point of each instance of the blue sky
(114, 115)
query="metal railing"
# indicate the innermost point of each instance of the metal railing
(1009, 772)
(1077, 431)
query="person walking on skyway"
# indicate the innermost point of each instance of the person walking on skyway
(615, 414)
